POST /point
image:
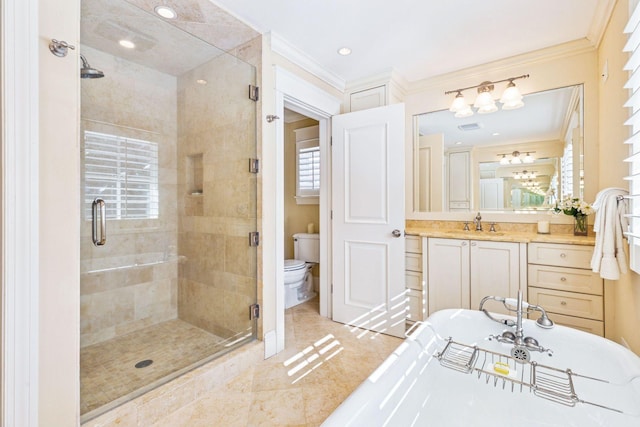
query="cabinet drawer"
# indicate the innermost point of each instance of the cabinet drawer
(565, 279)
(413, 244)
(413, 262)
(592, 326)
(575, 256)
(413, 280)
(416, 305)
(568, 303)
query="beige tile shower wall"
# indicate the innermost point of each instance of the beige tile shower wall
(137, 102)
(217, 121)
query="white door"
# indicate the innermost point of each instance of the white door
(492, 193)
(368, 219)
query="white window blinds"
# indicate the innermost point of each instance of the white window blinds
(308, 169)
(633, 84)
(124, 173)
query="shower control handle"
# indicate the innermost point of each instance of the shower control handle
(396, 233)
(99, 203)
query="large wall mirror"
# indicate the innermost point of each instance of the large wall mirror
(510, 160)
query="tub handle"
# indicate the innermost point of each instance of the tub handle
(98, 202)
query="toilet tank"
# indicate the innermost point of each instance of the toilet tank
(306, 247)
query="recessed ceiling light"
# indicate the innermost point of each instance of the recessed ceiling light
(458, 142)
(127, 43)
(495, 134)
(201, 81)
(166, 12)
(344, 51)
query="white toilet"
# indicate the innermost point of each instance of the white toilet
(298, 281)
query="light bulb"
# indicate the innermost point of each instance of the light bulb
(504, 160)
(458, 103)
(528, 158)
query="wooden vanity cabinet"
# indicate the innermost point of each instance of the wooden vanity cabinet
(460, 273)
(561, 282)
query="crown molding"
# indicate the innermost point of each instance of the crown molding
(601, 18)
(575, 47)
(304, 61)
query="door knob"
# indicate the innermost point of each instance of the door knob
(396, 233)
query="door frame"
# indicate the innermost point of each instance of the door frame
(302, 97)
(19, 212)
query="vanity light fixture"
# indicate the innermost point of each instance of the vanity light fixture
(525, 174)
(166, 12)
(528, 158)
(511, 98)
(515, 158)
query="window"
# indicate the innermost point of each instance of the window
(307, 165)
(308, 168)
(633, 84)
(124, 173)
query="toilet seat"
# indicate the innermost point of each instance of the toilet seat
(294, 265)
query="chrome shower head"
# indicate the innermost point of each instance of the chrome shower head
(87, 72)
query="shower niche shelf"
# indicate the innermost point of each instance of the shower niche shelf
(195, 175)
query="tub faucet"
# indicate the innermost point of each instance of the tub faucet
(478, 223)
(521, 308)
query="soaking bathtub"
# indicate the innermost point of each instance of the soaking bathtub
(451, 371)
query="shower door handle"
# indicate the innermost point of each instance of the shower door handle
(99, 203)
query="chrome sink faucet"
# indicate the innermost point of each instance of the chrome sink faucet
(478, 223)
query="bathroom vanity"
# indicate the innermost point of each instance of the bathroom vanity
(458, 268)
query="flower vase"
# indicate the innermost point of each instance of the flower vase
(580, 225)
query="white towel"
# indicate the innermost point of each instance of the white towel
(609, 258)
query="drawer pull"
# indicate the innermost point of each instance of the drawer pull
(563, 303)
(563, 279)
(563, 255)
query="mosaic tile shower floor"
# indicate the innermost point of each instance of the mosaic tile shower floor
(108, 372)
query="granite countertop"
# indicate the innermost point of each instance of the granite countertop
(502, 236)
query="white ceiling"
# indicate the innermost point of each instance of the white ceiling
(420, 39)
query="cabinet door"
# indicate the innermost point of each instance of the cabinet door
(448, 274)
(368, 98)
(495, 270)
(458, 182)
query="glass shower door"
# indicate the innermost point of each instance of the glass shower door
(166, 138)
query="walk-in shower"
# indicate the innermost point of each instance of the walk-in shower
(166, 136)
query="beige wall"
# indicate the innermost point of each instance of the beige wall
(622, 297)
(136, 102)
(296, 217)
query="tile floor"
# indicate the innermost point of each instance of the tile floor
(322, 364)
(108, 372)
